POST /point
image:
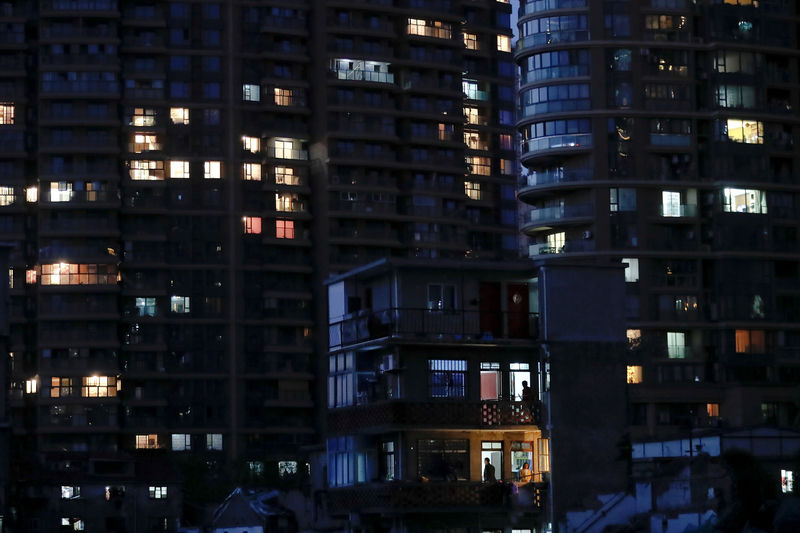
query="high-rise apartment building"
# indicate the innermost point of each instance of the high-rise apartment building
(663, 134)
(179, 177)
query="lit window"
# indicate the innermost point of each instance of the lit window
(146, 442)
(471, 41)
(472, 189)
(145, 142)
(284, 229)
(471, 115)
(30, 276)
(60, 387)
(179, 115)
(479, 165)
(712, 410)
(251, 144)
(60, 191)
(256, 467)
(146, 306)
(32, 194)
(146, 170)
(676, 344)
(100, 386)
(7, 196)
(72, 524)
(787, 481)
(70, 492)
(11, 278)
(181, 442)
(144, 117)
(429, 28)
(284, 149)
(283, 96)
(744, 201)
(751, 341)
(252, 224)
(544, 455)
(632, 270)
(745, 131)
(31, 386)
(214, 441)
(670, 203)
(251, 93)
(286, 176)
(447, 378)
(634, 336)
(180, 304)
(157, 493)
(78, 274)
(251, 171)
(287, 202)
(287, 468)
(503, 43)
(6, 113)
(212, 170)
(556, 242)
(508, 167)
(634, 374)
(179, 169)
(441, 297)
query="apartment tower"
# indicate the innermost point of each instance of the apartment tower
(662, 133)
(179, 177)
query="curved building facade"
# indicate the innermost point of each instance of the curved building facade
(661, 133)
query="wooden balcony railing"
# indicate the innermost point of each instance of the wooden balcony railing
(441, 414)
(411, 497)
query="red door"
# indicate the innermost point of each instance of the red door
(518, 311)
(489, 306)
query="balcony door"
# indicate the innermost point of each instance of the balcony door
(518, 306)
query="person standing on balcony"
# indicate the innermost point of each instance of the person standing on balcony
(525, 474)
(488, 472)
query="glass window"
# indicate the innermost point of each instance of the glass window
(634, 374)
(212, 170)
(179, 115)
(251, 92)
(751, 341)
(447, 378)
(252, 225)
(251, 144)
(214, 441)
(441, 297)
(493, 451)
(744, 201)
(251, 171)
(70, 492)
(6, 113)
(157, 493)
(490, 381)
(519, 376)
(632, 269)
(787, 481)
(744, 131)
(181, 442)
(179, 169)
(284, 229)
(180, 304)
(676, 345)
(544, 455)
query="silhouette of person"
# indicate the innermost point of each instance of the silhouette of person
(488, 472)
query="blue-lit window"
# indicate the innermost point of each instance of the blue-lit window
(556, 98)
(179, 89)
(552, 65)
(211, 90)
(447, 378)
(178, 63)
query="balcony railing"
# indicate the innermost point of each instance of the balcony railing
(562, 142)
(443, 325)
(365, 75)
(435, 496)
(438, 414)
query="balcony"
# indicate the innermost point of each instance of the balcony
(434, 414)
(677, 211)
(550, 215)
(446, 325)
(557, 142)
(412, 497)
(365, 75)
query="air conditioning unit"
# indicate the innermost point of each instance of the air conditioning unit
(587, 234)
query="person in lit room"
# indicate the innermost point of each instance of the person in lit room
(488, 472)
(525, 474)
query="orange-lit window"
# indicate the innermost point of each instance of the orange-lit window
(472, 189)
(7, 196)
(251, 172)
(252, 224)
(287, 202)
(503, 43)
(60, 387)
(284, 229)
(60, 191)
(634, 374)
(286, 176)
(32, 194)
(144, 442)
(429, 28)
(6, 113)
(251, 144)
(471, 41)
(179, 169)
(179, 115)
(31, 386)
(30, 276)
(145, 142)
(99, 387)
(78, 274)
(143, 117)
(146, 170)
(283, 96)
(212, 170)
(479, 165)
(750, 341)
(712, 410)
